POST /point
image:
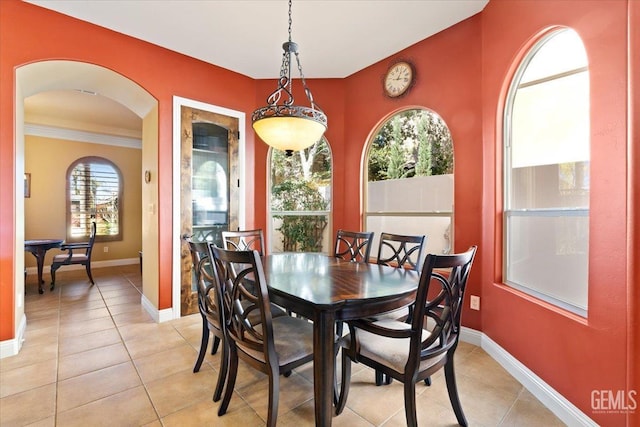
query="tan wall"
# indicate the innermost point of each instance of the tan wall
(150, 279)
(47, 160)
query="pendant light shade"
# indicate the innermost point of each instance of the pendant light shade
(283, 125)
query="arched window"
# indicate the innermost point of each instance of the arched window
(546, 174)
(300, 199)
(409, 185)
(94, 193)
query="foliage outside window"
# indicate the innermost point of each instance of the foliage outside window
(410, 179)
(94, 194)
(411, 143)
(300, 198)
(546, 173)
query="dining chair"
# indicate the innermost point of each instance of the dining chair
(274, 346)
(70, 258)
(399, 251)
(353, 245)
(244, 240)
(412, 352)
(209, 310)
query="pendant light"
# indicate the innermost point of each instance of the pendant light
(283, 125)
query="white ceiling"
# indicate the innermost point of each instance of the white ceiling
(336, 38)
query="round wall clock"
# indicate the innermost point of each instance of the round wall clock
(398, 79)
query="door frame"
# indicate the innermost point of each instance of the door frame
(178, 103)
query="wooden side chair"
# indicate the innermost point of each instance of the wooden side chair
(399, 251)
(82, 256)
(209, 310)
(412, 352)
(274, 346)
(244, 240)
(353, 245)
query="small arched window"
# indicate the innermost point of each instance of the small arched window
(546, 174)
(94, 193)
(300, 199)
(409, 179)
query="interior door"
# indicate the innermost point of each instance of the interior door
(209, 187)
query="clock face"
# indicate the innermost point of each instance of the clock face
(398, 79)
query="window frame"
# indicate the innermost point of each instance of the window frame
(507, 146)
(92, 217)
(414, 215)
(328, 213)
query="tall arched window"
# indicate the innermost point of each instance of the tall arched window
(546, 174)
(94, 193)
(300, 199)
(409, 185)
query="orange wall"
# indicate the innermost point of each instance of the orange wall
(573, 355)
(461, 74)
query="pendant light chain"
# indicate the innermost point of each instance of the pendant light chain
(281, 123)
(290, 21)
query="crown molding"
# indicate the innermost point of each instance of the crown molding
(81, 136)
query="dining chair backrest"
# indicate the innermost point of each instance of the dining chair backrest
(243, 287)
(205, 281)
(354, 246)
(439, 301)
(245, 240)
(399, 250)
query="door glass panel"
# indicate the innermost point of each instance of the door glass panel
(210, 182)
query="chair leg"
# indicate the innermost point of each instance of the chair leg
(344, 386)
(88, 267)
(54, 267)
(222, 375)
(427, 381)
(452, 388)
(216, 344)
(274, 387)
(410, 404)
(231, 378)
(383, 378)
(204, 343)
(379, 378)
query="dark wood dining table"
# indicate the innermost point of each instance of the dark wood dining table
(39, 248)
(326, 290)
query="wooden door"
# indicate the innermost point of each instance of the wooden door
(209, 187)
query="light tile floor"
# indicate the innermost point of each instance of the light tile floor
(92, 357)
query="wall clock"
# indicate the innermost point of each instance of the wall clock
(398, 79)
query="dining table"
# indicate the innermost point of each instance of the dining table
(327, 290)
(39, 248)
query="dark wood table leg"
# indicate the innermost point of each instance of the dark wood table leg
(323, 366)
(40, 261)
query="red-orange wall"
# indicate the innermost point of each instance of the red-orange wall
(573, 355)
(462, 74)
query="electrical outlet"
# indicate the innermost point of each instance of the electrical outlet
(475, 302)
(106, 249)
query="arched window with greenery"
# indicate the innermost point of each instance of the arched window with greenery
(94, 193)
(300, 199)
(409, 186)
(546, 173)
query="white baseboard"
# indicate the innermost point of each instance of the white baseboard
(12, 347)
(94, 264)
(158, 316)
(566, 411)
